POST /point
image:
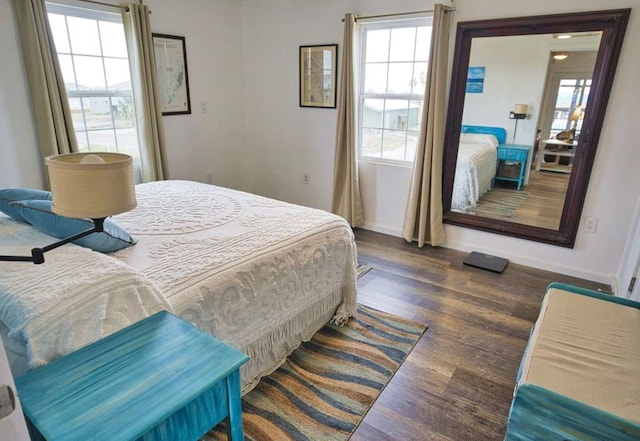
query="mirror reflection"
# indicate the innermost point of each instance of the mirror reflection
(525, 100)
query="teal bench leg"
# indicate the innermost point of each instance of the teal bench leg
(234, 428)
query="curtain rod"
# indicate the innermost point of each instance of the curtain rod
(449, 9)
(126, 8)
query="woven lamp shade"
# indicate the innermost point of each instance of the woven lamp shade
(91, 185)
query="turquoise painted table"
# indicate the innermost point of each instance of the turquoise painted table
(516, 153)
(158, 379)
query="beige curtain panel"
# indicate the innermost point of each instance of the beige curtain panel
(48, 94)
(153, 151)
(423, 214)
(346, 186)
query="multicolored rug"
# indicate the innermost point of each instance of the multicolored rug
(499, 203)
(324, 389)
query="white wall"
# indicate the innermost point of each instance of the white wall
(212, 142)
(243, 61)
(515, 71)
(198, 144)
(630, 266)
(284, 141)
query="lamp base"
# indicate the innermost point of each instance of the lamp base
(514, 115)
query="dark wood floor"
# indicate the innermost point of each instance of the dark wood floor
(545, 194)
(456, 384)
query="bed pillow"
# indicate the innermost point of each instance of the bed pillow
(478, 138)
(9, 195)
(39, 214)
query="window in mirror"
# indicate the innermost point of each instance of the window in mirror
(393, 66)
(570, 104)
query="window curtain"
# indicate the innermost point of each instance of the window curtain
(423, 212)
(346, 186)
(153, 152)
(51, 109)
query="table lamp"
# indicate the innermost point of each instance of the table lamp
(86, 185)
(519, 112)
(575, 116)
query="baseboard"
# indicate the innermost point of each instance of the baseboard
(382, 229)
(518, 259)
(555, 266)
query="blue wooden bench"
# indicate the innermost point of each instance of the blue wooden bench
(580, 375)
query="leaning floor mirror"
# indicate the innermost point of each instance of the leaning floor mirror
(526, 105)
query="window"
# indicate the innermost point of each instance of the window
(93, 57)
(393, 69)
(572, 92)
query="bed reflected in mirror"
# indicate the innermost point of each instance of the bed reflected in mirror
(525, 113)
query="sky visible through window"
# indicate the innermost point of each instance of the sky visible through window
(394, 66)
(89, 40)
(93, 57)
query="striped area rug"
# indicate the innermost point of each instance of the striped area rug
(324, 389)
(363, 269)
(499, 203)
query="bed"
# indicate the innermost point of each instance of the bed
(260, 274)
(475, 165)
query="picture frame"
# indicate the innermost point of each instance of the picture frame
(318, 75)
(475, 79)
(173, 77)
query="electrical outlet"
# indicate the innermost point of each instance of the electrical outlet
(204, 106)
(590, 224)
(307, 178)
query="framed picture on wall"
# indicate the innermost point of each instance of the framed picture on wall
(475, 79)
(173, 79)
(318, 80)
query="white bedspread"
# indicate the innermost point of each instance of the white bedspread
(76, 297)
(260, 274)
(475, 169)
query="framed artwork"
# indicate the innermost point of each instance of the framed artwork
(475, 79)
(318, 80)
(173, 79)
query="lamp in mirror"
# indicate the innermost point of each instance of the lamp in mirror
(86, 185)
(519, 112)
(570, 135)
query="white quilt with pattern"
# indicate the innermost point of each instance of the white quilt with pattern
(475, 169)
(76, 297)
(259, 274)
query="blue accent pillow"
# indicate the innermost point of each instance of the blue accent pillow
(9, 195)
(39, 214)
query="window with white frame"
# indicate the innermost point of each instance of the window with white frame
(572, 93)
(393, 68)
(93, 57)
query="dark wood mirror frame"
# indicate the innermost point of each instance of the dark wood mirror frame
(613, 24)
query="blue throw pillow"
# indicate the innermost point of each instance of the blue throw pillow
(9, 195)
(39, 214)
